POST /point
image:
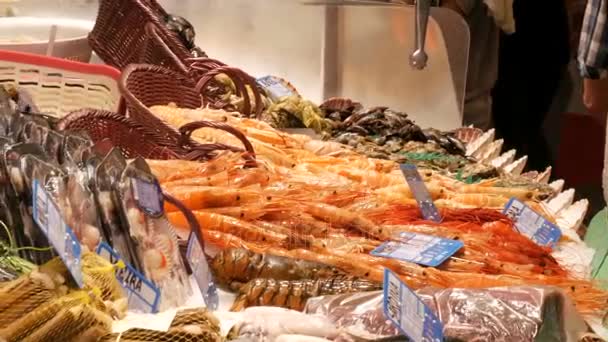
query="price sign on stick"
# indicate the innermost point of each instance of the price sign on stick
(532, 224)
(142, 294)
(276, 88)
(421, 193)
(47, 216)
(408, 312)
(201, 272)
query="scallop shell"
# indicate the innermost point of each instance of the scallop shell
(574, 256)
(480, 142)
(561, 201)
(340, 104)
(493, 150)
(516, 167)
(544, 177)
(504, 159)
(558, 185)
(531, 175)
(572, 217)
(467, 134)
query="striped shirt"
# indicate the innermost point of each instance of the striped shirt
(593, 47)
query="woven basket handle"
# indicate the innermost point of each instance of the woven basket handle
(195, 228)
(203, 64)
(187, 130)
(240, 79)
(152, 35)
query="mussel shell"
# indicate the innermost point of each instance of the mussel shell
(182, 27)
(357, 129)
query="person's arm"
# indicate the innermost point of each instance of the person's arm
(593, 56)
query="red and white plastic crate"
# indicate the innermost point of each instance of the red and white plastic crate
(60, 86)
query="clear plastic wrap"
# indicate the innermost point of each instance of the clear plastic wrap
(155, 239)
(514, 314)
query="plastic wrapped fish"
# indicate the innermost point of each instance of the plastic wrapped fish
(494, 314)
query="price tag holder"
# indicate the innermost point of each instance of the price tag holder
(276, 87)
(408, 312)
(142, 294)
(421, 193)
(532, 224)
(60, 236)
(421, 249)
(201, 272)
(149, 196)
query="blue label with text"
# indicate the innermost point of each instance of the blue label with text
(419, 248)
(421, 193)
(60, 236)
(532, 224)
(275, 87)
(149, 196)
(200, 271)
(408, 312)
(142, 294)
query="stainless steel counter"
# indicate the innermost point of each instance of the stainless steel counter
(357, 52)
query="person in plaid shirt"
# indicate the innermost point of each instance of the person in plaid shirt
(593, 65)
(593, 56)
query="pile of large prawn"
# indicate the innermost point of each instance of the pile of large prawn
(304, 220)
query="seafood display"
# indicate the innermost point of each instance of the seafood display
(285, 235)
(378, 132)
(334, 208)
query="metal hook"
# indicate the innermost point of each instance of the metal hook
(419, 58)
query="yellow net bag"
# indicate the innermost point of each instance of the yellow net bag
(190, 325)
(28, 292)
(38, 307)
(35, 320)
(144, 335)
(100, 273)
(79, 323)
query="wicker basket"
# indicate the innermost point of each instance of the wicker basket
(133, 139)
(137, 140)
(145, 85)
(121, 33)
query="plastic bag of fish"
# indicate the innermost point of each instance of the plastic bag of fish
(494, 314)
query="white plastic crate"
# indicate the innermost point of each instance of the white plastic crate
(60, 86)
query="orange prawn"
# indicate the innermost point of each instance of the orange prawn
(201, 197)
(227, 224)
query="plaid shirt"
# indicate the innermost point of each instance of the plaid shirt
(593, 47)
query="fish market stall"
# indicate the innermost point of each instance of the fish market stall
(169, 195)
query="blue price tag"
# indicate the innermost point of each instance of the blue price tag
(200, 271)
(142, 294)
(149, 196)
(408, 312)
(419, 248)
(275, 87)
(532, 224)
(421, 193)
(60, 236)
